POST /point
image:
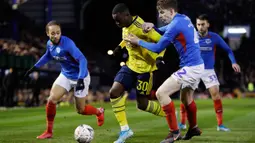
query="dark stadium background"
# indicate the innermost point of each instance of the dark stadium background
(90, 25)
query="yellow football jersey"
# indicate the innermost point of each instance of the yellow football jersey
(140, 59)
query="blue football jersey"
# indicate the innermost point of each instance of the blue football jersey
(183, 35)
(208, 46)
(73, 62)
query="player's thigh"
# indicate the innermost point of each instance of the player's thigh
(189, 76)
(144, 85)
(210, 79)
(169, 86)
(123, 81)
(60, 87)
(186, 95)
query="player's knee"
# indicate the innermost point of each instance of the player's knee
(53, 98)
(80, 110)
(159, 94)
(114, 93)
(214, 91)
(184, 100)
(142, 103)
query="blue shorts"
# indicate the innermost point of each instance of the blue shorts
(130, 79)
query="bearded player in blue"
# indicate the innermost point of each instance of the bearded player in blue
(208, 42)
(181, 32)
(74, 75)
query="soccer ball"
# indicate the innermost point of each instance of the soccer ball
(84, 134)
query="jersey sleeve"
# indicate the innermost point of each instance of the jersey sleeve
(155, 36)
(44, 59)
(122, 44)
(79, 57)
(163, 29)
(164, 41)
(222, 44)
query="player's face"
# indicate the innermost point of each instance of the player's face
(121, 19)
(54, 33)
(165, 15)
(202, 26)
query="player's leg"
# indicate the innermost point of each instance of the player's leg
(143, 89)
(170, 86)
(82, 108)
(190, 106)
(123, 81)
(214, 91)
(190, 82)
(183, 117)
(212, 84)
(59, 88)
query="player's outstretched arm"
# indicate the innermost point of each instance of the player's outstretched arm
(164, 41)
(42, 61)
(231, 56)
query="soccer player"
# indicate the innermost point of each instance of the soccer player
(208, 42)
(181, 32)
(137, 71)
(74, 75)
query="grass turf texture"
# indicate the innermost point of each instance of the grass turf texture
(23, 125)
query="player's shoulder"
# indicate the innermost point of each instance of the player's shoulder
(66, 40)
(137, 21)
(213, 34)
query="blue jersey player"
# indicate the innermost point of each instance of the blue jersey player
(181, 32)
(74, 75)
(208, 42)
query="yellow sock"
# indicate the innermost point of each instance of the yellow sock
(118, 106)
(155, 108)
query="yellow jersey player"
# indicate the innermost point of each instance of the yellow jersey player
(137, 71)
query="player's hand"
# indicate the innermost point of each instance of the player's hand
(236, 68)
(131, 38)
(80, 85)
(159, 62)
(147, 26)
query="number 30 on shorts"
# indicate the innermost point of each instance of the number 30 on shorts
(142, 85)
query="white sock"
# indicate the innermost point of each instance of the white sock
(124, 128)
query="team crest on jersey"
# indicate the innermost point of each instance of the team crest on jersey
(208, 41)
(58, 50)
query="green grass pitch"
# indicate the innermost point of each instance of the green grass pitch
(23, 125)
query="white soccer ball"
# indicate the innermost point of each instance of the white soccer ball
(84, 134)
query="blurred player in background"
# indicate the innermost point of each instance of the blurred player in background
(208, 42)
(74, 75)
(137, 71)
(181, 32)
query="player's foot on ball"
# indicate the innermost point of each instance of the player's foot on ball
(191, 133)
(223, 128)
(100, 117)
(172, 136)
(182, 126)
(45, 135)
(124, 135)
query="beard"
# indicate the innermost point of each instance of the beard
(55, 41)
